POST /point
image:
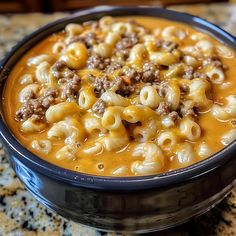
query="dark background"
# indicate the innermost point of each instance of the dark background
(47, 6)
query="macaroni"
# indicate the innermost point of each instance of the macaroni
(73, 29)
(113, 99)
(26, 79)
(67, 152)
(42, 72)
(30, 125)
(204, 150)
(58, 48)
(171, 32)
(35, 61)
(69, 129)
(42, 146)
(61, 110)
(27, 90)
(111, 118)
(93, 125)
(190, 129)
(76, 55)
(185, 155)
(124, 97)
(86, 99)
(153, 159)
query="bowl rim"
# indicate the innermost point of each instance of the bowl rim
(110, 183)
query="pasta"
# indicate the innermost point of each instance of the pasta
(216, 75)
(67, 152)
(153, 159)
(95, 149)
(115, 139)
(185, 155)
(42, 146)
(146, 131)
(123, 97)
(206, 47)
(30, 126)
(167, 139)
(61, 110)
(35, 61)
(103, 50)
(73, 29)
(93, 125)
(172, 31)
(24, 93)
(26, 79)
(76, 55)
(198, 89)
(149, 97)
(70, 129)
(42, 72)
(86, 99)
(113, 99)
(190, 129)
(225, 112)
(163, 58)
(112, 38)
(58, 48)
(111, 118)
(229, 137)
(204, 150)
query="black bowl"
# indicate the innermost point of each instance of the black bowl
(137, 204)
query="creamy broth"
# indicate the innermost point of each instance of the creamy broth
(92, 153)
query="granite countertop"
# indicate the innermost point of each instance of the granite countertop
(21, 215)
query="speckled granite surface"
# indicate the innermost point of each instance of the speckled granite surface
(21, 215)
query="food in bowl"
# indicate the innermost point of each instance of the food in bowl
(124, 97)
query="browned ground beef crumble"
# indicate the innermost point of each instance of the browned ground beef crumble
(36, 107)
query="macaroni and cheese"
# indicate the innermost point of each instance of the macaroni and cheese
(124, 97)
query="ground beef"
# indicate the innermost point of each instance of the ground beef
(113, 66)
(25, 112)
(212, 61)
(133, 74)
(71, 87)
(233, 123)
(126, 43)
(61, 70)
(187, 109)
(190, 112)
(200, 75)
(188, 72)
(99, 107)
(173, 116)
(150, 73)
(163, 89)
(101, 84)
(123, 88)
(97, 62)
(49, 97)
(30, 95)
(37, 107)
(163, 108)
(89, 39)
(168, 46)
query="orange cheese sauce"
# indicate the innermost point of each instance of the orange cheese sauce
(211, 129)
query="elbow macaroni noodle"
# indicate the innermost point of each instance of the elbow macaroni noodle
(124, 98)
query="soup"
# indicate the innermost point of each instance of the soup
(124, 97)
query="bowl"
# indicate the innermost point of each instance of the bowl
(131, 204)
